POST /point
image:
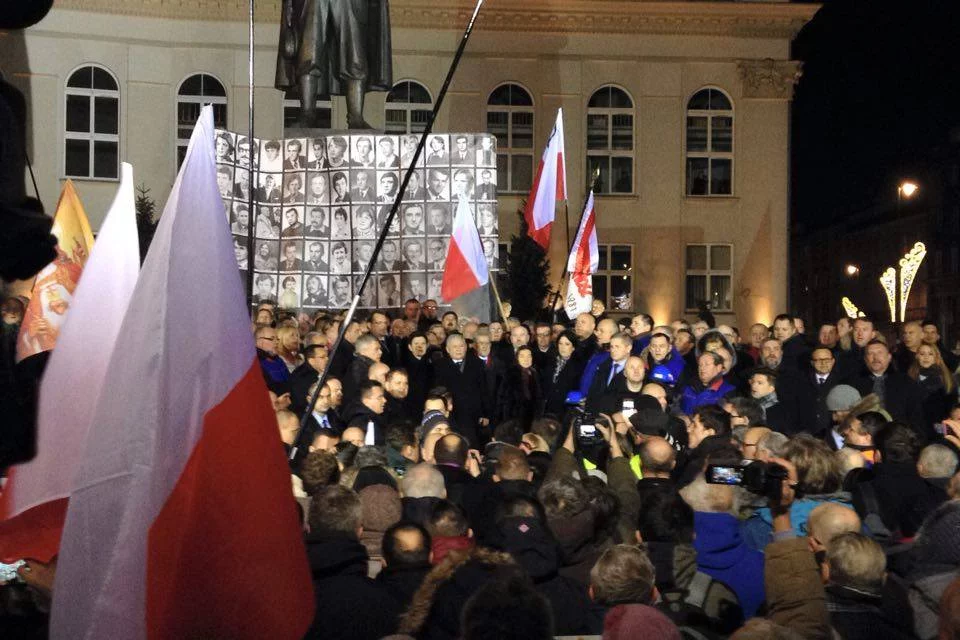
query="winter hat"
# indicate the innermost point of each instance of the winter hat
(430, 419)
(842, 398)
(381, 507)
(638, 622)
(372, 476)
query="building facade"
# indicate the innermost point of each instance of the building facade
(683, 106)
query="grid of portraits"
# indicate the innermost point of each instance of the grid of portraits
(321, 203)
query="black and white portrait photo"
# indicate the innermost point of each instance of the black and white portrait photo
(292, 222)
(316, 257)
(266, 255)
(290, 252)
(438, 219)
(315, 291)
(387, 157)
(318, 224)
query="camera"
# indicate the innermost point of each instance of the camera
(586, 432)
(762, 478)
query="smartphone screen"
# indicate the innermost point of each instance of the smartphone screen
(940, 428)
(717, 474)
(588, 429)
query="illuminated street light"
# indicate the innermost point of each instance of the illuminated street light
(907, 189)
(852, 270)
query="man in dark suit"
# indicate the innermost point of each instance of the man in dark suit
(486, 190)
(380, 329)
(609, 374)
(795, 350)
(901, 395)
(822, 377)
(493, 367)
(461, 372)
(315, 261)
(366, 352)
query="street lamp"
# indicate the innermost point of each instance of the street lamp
(907, 189)
(852, 270)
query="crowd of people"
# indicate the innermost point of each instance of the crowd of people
(619, 477)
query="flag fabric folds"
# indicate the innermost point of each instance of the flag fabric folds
(54, 286)
(582, 263)
(549, 186)
(466, 266)
(36, 492)
(181, 522)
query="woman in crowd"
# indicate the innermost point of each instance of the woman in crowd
(521, 394)
(288, 346)
(562, 375)
(936, 380)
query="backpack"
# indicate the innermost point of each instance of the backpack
(685, 607)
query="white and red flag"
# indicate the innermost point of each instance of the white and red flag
(181, 522)
(582, 263)
(33, 502)
(549, 186)
(466, 266)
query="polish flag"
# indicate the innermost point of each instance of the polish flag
(33, 503)
(181, 522)
(466, 266)
(549, 186)
(582, 263)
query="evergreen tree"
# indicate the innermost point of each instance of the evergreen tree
(527, 270)
(146, 222)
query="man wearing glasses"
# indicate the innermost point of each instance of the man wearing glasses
(428, 314)
(274, 368)
(820, 380)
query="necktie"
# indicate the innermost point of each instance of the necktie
(879, 387)
(459, 364)
(324, 422)
(614, 370)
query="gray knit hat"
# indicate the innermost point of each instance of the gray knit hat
(842, 397)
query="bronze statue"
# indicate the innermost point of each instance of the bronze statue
(334, 47)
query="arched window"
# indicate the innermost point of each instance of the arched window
(196, 91)
(291, 110)
(408, 108)
(92, 132)
(610, 139)
(510, 119)
(709, 144)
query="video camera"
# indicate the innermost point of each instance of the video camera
(762, 478)
(583, 423)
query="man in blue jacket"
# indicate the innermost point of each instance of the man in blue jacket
(709, 388)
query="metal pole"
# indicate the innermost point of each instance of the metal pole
(250, 212)
(312, 402)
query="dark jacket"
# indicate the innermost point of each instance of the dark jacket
(796, 353)
(418, 510)
(402, 582)
(555, 391)
(359, 415)
(902, 398)
(602, 383)
(300, 380)
(903, 497)
(520, 396)
(339, 569)
(419, 374)
(534, 549)
(858, 615)
(356, 375)
(469, 389)
(814, 415)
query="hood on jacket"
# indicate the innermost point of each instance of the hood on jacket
(335, 556)
(713, 334)
(574, 534)
(717, 540)
(531, 545)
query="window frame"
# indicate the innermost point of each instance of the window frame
(610, 152)
(407, 107)
(202, 100)
(709, 155)
(709, 273)
(507, 149)
(321, 103)
(604, 251)
(91, 136)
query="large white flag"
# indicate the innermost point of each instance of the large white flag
(181, 521)
(36, 492)
(549, 186)
(582, 263)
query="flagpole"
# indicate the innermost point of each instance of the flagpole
(566, 262)
(312, 401)
(251, 217)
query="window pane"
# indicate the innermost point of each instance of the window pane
(720, 177)
(700, 100)
(619, 98)
(696, 291)
(105, 159)
(395, 121)
(603, 164)
(181, 154)
(192, 86)
(419, 94)
(719, 101)
(81, 78)
(597, 131)
(620, 258)
(600, 288)
(722, 133)
(502, 160)
(623, 131)
(290, 115)
(103, 80)
(78, 113)
(105, 115)
(220, 115)
(500, 96)
(519, 96)
(187, 114)
(77, 158)
(696, 133)
(212, 87)
(697, 183)
(418, 120)
(621, 293)
(622, 175)
(522, 177)
(522, 130)
(697, 257)
(720, 257)
(602, 253)
(600, 98)
(497, 125)
(720, 292)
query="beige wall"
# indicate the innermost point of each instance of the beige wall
(151, 56)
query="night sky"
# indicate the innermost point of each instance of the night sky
(879, 94)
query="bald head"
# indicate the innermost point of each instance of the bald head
(828, 521)
(512, 465)
(422, 481)
(354, 435)
(289, 425)
(378, 371)
(606, 329)
(657, 457)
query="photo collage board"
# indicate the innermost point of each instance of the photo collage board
(321, 203)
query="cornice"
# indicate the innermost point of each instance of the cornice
(740, 19)
(769, 78)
